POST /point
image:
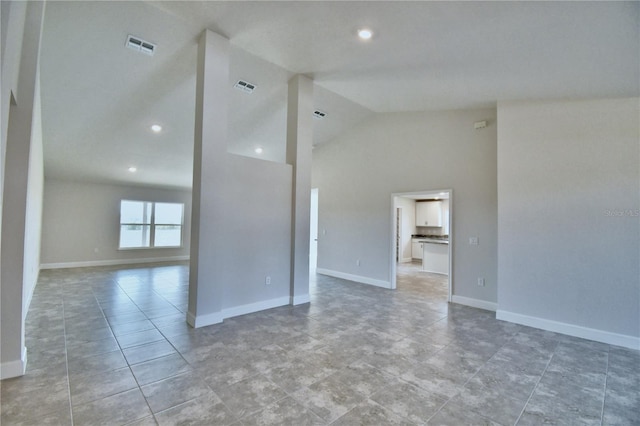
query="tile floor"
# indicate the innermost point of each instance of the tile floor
(110, 346)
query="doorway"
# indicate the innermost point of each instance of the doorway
(313, 232)
(404, 226)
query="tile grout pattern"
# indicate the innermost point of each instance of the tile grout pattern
(110, 346)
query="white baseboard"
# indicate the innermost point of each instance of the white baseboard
(299, 300)
(30, 295)
(218, 317)
(15, 368)
(356, 278)
(406, 260)
(616, 339)
(113, 262)
(474, 303)
(254, 307)
(204, 320)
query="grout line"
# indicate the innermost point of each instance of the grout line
(66, 355)
(606, 379)
(536, 386)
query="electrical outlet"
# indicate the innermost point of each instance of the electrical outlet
(481, 282)
(473, 241)
(267, 280)
(358, 262)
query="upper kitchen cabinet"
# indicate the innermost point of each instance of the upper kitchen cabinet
(429, 213)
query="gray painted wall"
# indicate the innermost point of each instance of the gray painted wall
(241, 209)
(409, 152)
(564, 170)
(20, 130)
(255, 240)
(80, 218)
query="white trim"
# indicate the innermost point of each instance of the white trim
(217, 317)
(204, 320)
(475, 303)
(356, 278)
(113, 262)
(15, 368)
(299, 300)
(406, 260)
(254, 307)
(631, 342)
(30, 295)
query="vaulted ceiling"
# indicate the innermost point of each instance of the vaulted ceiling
(100, 98)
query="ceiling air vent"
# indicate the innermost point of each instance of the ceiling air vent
(244, 86)
(319, 114)
(140, 45)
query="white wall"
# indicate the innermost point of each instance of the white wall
(409, 152)
(33, 219)
(564, 261)
(81, 223)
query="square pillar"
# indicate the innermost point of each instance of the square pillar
(210, 147)
(299, 147)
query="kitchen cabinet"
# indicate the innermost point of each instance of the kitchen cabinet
(429, 213)
(416, 250)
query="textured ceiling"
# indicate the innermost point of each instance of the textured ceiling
(99, 98)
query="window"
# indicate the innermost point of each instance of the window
(145, 224)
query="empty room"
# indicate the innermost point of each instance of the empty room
(320, 213)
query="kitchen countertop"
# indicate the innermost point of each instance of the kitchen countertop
(431, 239)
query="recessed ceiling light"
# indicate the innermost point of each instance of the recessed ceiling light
(258, 150)
(133, 169)
(365, 34)
(442, 193)
(156, 128)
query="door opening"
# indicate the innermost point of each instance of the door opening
(420, 245)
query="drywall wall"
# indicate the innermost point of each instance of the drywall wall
(400, 153)
(81, 223)
(255, 241)
(33, 216)
(23, 46)
(568, 216)
(242, 209)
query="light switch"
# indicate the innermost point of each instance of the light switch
(473, 241)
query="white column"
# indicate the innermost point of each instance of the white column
(299, 146)
(210, 146)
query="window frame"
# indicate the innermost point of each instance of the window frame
(151, 225)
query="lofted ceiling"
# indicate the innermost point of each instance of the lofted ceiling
(99, 98)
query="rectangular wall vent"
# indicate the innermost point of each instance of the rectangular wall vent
(244, 86)
(319, 114)
(480, 125)
(140, 45)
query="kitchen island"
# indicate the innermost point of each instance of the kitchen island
(435, 256)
